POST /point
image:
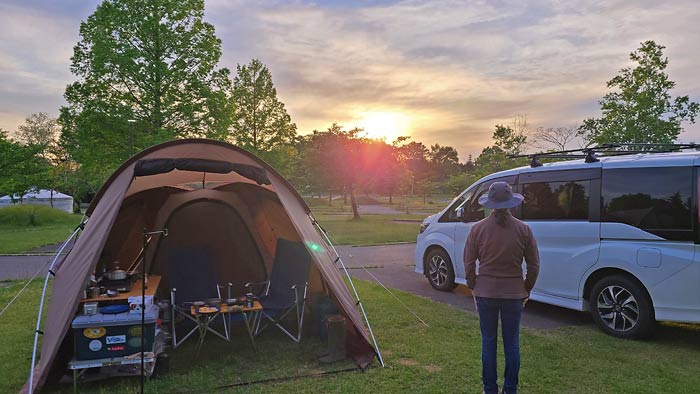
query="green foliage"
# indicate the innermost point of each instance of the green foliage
(20, 215)
(24, 227)
(640, 108)
(508, 140)
(371, 229)
(261, 124)
(442, 358)
(21, 166)
(153, 61)
(495, 158)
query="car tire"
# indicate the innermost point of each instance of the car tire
(622, 308)
(439, 270)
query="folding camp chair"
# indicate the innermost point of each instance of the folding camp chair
(192, 278)
(285, 291)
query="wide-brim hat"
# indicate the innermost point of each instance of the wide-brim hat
(500, 196)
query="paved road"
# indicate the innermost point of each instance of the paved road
(20, 267)
(393, 266)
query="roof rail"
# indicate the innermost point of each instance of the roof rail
(591, 154)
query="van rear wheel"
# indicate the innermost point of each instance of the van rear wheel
(621, 307)
(439, 270)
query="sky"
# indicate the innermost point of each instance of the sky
(439, 71)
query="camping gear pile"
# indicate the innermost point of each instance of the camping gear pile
(197, 216)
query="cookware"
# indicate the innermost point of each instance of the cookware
(116, 274)
(114, 309)
(199, 303)
(112, 293)
(214, 301)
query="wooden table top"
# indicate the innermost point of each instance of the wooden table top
(151, 287)
(224, 308)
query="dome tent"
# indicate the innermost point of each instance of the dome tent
(49, 198)
(236, 196)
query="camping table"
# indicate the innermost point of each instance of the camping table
(250, 315)
(80, 366)
(151, 287)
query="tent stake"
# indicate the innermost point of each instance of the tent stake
(41, 304)
(357, 296)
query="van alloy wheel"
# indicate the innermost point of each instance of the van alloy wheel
(438, 270)
(618, 308)
(621, 307)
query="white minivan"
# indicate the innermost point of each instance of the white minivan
(618, 236)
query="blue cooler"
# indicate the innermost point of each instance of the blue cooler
(113, 335)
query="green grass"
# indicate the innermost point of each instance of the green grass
(371, 229)
(442, 358)
(24, 227)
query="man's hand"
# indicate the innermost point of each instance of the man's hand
(525, 300)
(476, 306)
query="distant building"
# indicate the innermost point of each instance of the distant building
(60, 201)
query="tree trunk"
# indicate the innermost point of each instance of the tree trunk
(51, 198)
(330, 199)
(390, 200)
(355, 212)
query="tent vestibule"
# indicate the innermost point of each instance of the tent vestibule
(216, 200)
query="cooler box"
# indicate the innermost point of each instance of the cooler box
(112, 335)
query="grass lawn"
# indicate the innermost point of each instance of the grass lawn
(24, 227)
(442, 358)
(371, 229)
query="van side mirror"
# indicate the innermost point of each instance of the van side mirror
(460, 213)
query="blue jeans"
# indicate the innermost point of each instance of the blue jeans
(510, 311)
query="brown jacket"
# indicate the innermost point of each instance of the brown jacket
(500, 251)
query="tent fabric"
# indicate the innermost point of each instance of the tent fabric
(126, 203)
(159, 166)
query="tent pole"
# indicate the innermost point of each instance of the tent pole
(41, 303)
(357, 296)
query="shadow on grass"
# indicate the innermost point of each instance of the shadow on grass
(221, 364)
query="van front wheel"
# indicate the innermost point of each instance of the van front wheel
(439, 269)
(621, 307)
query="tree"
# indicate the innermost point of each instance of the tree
(557, 137)
(153, 61)
(640, 108)
(415, 156)
(21, 167)
(510, 140)
(445, 161)
(341, 158)
(260, 123)
(39, 129)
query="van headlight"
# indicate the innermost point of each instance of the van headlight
(423, 226)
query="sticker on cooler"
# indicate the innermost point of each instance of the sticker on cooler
(115, 339)
(116, 348)
(95, 345)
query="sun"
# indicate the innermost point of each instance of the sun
(385, 126)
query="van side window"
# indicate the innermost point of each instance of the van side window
(648, 198)
(556, 200)
(473, 211)
(451, 213)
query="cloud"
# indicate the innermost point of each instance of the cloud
(36, 46)
(456, 68)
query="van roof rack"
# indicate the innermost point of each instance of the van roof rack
(591, 154)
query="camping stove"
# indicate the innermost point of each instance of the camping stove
(120, 285)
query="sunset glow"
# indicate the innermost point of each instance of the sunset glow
(384, 125)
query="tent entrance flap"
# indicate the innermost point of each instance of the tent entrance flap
(224, 239)
(149, 167)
